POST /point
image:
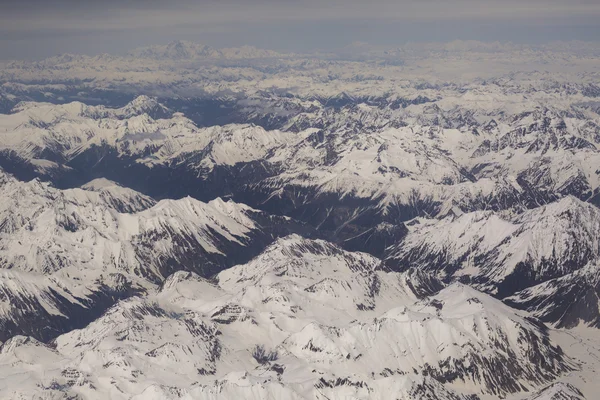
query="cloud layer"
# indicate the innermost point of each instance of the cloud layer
(29, 28)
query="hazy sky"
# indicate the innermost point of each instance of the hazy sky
(40, 28)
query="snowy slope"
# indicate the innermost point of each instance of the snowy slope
(329, 278)
(120, 198)
(448, 338)
(289, 324)
(58, 133)
(53, 230)
(74, 250)
(44, 307)
(559, 391)
(505, 254)
(464, 150)
(567, 302)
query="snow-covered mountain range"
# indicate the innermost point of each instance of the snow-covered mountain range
(78, 251)
(302, 319)
(347, 170)
(186, 222)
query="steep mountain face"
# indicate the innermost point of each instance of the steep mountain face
(73, 253)
(53, 230)
(120, 198)
(559, 391)
(304, 319)
(566, 302)
(44, 307)
(505, 254)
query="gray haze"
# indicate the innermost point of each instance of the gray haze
(32, 29)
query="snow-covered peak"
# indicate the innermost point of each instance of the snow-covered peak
(186, 50)
(506, 254)
(568, 208)
(232, 144)
(14, 345)
(123, 199)
(145, 105)
(462, 301)
(176, 50)
(299, 259)
(37, 112)
(295, 276)
(99, 184)
(229, 219)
